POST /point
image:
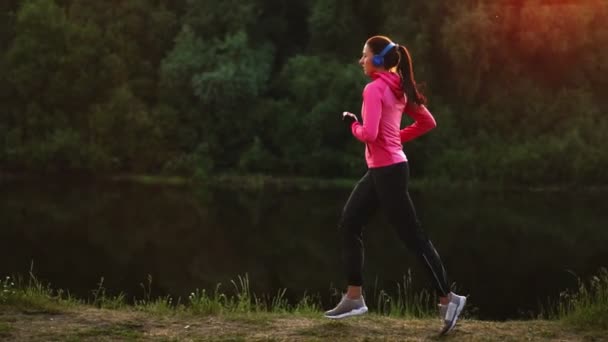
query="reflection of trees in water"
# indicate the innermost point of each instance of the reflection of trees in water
(518, 242)
(187, 238)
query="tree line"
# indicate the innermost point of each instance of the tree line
(518, 88)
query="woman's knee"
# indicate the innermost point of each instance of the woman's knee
(349, 226)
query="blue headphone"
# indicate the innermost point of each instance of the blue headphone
(378, 59)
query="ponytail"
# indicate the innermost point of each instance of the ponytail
(406, 71)
(400, 58)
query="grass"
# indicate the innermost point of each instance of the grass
(244, 301)
(33, 296)
(407, 303)
(5, 329)
(585, 308)
(112, 331)
(32, 311)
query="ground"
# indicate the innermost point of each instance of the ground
(91, 324)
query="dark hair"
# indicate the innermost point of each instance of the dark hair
(398, 57)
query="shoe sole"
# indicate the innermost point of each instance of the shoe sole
(458, 311)
(351, 313)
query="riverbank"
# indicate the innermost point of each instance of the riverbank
(34, 312)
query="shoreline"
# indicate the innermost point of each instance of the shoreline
(259, 181)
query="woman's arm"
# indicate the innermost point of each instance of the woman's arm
(372, 109)
(424, 122)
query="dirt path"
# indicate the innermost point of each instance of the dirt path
(89, 324)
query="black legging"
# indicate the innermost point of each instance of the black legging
(386, 187)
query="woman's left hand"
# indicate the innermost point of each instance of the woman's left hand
(349, 118)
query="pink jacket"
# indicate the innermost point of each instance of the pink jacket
(383, 105)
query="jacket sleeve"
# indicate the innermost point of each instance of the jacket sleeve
(372, 111)
(423, 122)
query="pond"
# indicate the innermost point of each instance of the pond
(509, 250)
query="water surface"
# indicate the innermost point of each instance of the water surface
(509, 251)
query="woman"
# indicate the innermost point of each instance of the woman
(391, 92)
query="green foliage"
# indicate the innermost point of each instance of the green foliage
(202, 303)
(215, 19)
(589, 307)
(586, 307)
(408, 303)
(104, 301)
(334, 28)
(314, 115)
(257, 86)
(126, 129)
(7, 289)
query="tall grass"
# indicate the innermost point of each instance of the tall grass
(245, 301)
(408, 303)
(237, 299)
(203, 303)
(7, 289)
(34, 295)
(586, 307)
(102, 300)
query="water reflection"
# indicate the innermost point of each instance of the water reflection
(509, 250)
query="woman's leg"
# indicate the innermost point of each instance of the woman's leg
(387, 187)
(359, 208)
(391, 184)
(357, 212)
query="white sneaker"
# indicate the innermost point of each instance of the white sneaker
(347, 308)
(450, 312)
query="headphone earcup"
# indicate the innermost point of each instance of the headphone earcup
(378, 61)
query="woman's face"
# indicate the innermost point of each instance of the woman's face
(366, 61)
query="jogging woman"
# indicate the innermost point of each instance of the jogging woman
(391, 92)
